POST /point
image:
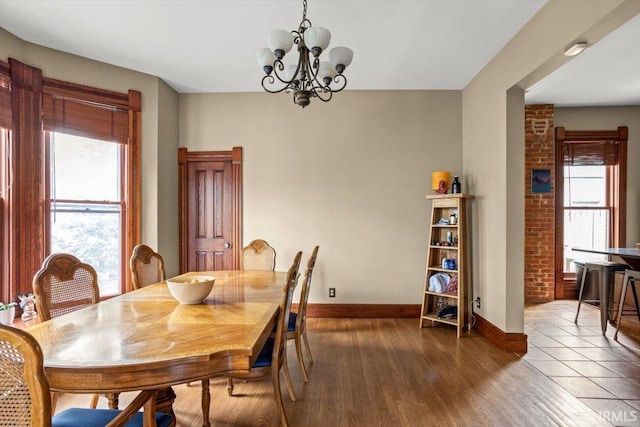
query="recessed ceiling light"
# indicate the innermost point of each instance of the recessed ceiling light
(575, 49)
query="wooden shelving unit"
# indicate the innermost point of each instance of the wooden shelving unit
(449, 241)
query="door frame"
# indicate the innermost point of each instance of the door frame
(235, 157)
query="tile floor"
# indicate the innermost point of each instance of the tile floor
(602, 373)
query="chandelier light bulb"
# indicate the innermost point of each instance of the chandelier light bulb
(280, 42)
(317, 37)
(341, 58)
(326, 72)
(266, 58)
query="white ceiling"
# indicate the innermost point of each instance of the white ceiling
(608, 73)
(209, 46)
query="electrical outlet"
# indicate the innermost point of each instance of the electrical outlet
(332, 292)
(478, 302)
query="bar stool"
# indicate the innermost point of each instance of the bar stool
(604, 269)
(629, 276)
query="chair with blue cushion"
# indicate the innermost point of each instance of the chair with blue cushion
(25, 397)
(273, 356)
(297, 327)
(147, 267)
(258, 255)
(63, 285)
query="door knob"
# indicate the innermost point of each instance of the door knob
(227, 245)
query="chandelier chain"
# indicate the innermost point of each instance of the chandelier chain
(304, 10)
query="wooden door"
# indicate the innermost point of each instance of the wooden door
(210, 210)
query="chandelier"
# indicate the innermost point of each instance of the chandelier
(310, 77)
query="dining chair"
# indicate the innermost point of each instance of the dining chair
(62, 285)
(258, 255)
(26, 397)
(273, 356)
(297, 325)
(147, 267)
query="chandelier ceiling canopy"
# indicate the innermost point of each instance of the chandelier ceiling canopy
(309, 77)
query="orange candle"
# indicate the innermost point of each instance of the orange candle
(438, 176)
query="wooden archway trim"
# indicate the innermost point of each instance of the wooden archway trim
(235, 157)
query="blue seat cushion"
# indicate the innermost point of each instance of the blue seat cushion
(83, 417)
(291, 327)
(264, 358)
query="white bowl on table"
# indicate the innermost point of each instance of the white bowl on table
(190, 289)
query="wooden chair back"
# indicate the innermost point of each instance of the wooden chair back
(26, 397)
(265, 367)
(304, 293)
(147, 267)
(290, 282)
(25, 390)
(64, 284)
(258, 255)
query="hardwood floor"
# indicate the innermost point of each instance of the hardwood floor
(389, 372)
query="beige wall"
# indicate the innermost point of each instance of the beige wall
(167, 172)
(605, 118)
(487, 155)
(159, 138)
(350, 176)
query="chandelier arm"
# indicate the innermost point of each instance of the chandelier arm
(319, 91)
(278, 65)
(304, 68)
(297, 35)
(271, 81)
(304, 25)
(317, 84)
(339, 79)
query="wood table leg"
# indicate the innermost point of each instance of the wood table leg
(164, 402)
(206, 402)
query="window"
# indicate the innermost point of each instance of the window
(69, 176)
(85, 204)
(590, 198)
(587, 213)
(6, 174)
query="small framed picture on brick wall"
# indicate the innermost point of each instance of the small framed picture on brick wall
(541, 181)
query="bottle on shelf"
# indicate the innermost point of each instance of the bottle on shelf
(456, 186)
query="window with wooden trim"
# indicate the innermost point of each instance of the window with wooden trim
(6, 173)
(76, 186)
(591, 196)
(85, 207)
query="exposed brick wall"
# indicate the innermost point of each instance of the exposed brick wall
(539, 215)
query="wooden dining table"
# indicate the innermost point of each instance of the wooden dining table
(146, 340)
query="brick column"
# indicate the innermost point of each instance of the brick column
(539, 214)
